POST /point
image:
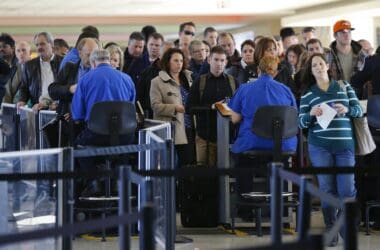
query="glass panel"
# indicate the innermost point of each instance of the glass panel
(153, 160)
(9, 133)
(32, 204)
(28, 129)
(46, 119)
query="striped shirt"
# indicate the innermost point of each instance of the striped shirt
(338, 135)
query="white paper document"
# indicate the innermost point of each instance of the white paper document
(328, 113)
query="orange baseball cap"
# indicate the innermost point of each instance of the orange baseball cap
(342, 25)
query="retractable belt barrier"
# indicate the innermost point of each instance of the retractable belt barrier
(91, 152)
(183, 172)
(348, 207)
(71, 229)
(145, 216)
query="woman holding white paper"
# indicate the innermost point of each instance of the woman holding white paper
(332, 145)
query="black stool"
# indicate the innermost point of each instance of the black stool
(276, 123)
(373, 116)
(113, 119)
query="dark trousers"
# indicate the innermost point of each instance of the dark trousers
(88, 138)
(186, 152)
(244, 182)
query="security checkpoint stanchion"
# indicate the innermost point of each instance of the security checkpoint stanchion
(351, 212)
(304, 210)
(124, 207)
(223, 161)
(276, 204)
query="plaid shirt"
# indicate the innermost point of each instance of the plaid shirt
(335, 65)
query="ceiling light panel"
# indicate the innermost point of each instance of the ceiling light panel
(149, 7)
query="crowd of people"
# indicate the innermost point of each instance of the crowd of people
(182, 79)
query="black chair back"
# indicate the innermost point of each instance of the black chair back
(113, 118)
(373, 111)
(276, 123)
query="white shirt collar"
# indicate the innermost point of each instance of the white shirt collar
(51, 58)
(243, 64)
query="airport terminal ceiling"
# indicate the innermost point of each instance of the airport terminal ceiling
(116, 19)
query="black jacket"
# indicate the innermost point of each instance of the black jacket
(134, 66)
(370, 72)
(216, 89)
(243, 75)
(284, 75)
(59, 90)
(233, 60)
(31, 79)
(195, 68)
(143, 87)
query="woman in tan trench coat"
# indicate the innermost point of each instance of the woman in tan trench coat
(168, 94)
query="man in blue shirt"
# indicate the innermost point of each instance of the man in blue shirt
(103, 83)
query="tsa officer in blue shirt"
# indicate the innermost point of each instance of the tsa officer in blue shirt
(102, 83)
(248, 98)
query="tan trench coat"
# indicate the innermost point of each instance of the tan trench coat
(165, 94)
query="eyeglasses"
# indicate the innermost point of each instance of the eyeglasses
(187, 32)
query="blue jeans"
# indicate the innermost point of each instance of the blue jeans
(341, 185)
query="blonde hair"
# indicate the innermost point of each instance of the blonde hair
(114, 49)
(269, 65)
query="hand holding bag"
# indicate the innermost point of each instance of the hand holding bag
(364, 143)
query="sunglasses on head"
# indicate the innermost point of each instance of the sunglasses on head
(187, 32)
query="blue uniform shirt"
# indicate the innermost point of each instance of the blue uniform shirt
(71, 56)
(82, 70)
(101, 84)
(247, 99)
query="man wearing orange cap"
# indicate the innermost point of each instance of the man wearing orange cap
(346, 57)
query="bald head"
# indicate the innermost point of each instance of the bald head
(86, 46)
(23, 52)
(367, 47)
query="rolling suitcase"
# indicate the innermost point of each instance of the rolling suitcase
(199, 201)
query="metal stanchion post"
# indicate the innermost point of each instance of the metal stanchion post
(17, 132)
(276, 203)
(5, 213)
(147, 228)
(300, 149)
(148, 191)
(350, 225)
(303, 219)
(317, 242)
(37, 131)
(68, 197)
(170, 211)
(124, 206)
(223, 161)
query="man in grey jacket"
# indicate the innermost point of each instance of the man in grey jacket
(12, 87)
